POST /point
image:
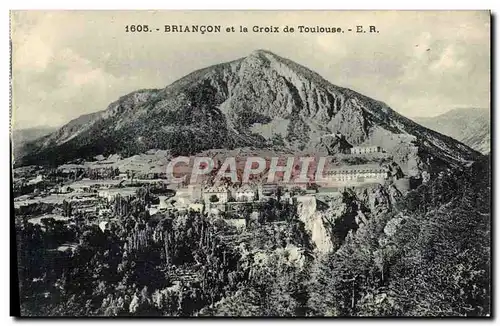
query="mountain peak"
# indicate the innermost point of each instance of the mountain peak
(245, 103)
(263, 56)
(260, 52)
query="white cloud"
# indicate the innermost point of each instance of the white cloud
(24, 58)
(448, 60)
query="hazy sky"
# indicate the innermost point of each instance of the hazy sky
(420, 63)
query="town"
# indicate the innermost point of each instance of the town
(134, 206)
(95, 192)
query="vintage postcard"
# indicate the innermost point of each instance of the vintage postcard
(251, 163)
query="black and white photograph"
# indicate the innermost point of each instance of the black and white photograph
(250, 163)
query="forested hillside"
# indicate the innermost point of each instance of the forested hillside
(430, 257)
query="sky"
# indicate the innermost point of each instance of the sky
(420, 63)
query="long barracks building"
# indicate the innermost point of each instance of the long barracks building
(354, 175)
(365, 149)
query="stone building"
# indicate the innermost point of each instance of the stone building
(268, 189)
(354, 175)
(222, 194)
(365, 149)
(245, 193)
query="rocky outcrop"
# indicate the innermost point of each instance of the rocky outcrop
(314, 222)
(332, 144)
(329, 224)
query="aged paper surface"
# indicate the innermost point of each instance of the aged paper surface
(251, 163)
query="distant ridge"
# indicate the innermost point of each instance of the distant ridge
(471, 126)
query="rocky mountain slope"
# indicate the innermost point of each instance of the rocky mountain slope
(470, 126)
(246, 102)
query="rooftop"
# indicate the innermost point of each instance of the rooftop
(365, 146)
(355, 167)
(216, 189)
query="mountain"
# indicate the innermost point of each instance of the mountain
(470, 126)
(247, 102)
(22, 136)
(30, 134)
